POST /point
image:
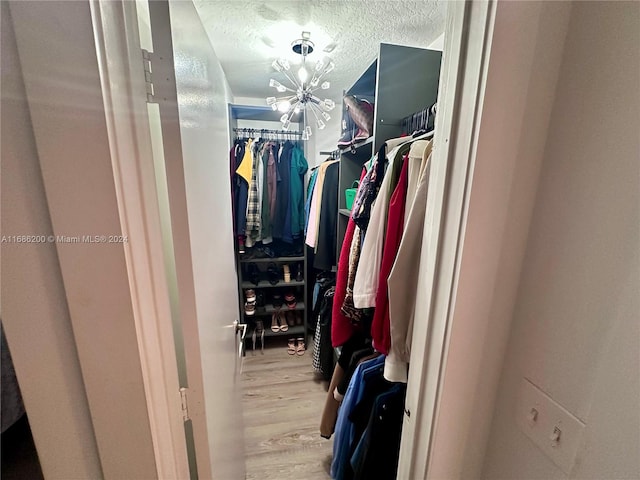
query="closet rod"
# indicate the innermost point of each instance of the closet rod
(267, 131)
(335, 154)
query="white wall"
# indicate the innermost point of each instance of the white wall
(34, 306)
(203, 94)
(576, 330)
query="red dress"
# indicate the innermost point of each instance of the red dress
(341, 327)
(380, 327)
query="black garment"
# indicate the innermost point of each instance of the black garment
(327, 234)
(377, 455)
(323, 350)
(355, 360)
(283, 194)
(241, 193)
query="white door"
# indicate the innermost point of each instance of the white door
(193, 349)
(189, 142)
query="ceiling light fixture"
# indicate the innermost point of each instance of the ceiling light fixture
(303, 88)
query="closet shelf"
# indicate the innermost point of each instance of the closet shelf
(293, 331)
(266, 284)
(274, 260)
(357, 146)
(270, 309)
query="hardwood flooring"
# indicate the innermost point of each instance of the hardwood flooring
(282, 405)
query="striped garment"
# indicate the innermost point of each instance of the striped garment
(252, 228)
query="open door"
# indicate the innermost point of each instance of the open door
(135, 48)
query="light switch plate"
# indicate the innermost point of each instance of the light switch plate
(549, 415)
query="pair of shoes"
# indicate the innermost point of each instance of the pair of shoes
(258, 330)
(279, 322)
(273, 273)
(296, 346)
(253, 273)
(250, 303)
(290, 300)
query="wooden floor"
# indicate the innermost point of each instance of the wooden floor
(282, 404)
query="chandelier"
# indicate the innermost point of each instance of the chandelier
(301, 92)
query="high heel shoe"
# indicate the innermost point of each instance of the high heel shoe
(282, 321)
(275, 324)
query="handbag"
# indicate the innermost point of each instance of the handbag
(361, 112)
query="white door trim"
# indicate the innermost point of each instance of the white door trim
(124, 94)
(467, 45)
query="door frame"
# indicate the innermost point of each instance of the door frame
(463, 83)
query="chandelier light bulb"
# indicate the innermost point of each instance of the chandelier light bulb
(286, 124)
(330, 68)
(321, 124)
(276, 66)
(271, 100)
(308, 131)
(274, 83)
(281, 88)
(284, 63)
(297, 108)
(314, 81)
(326, 116)
(319, 65)
(303, 75)
(284, 106)
(329, 104)
(274, 107)
(284, 118)
(325, 85)
(305, 136)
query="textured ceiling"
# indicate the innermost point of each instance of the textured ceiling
(248, 35)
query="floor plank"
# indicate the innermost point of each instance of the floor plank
(282, 404)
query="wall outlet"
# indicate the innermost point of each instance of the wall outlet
(549, 425)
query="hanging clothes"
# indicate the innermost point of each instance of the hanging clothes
(299, 167)
(395, 224)
(313, 220)
(403, 280)
(343, 328)
(307, 204)
(268, 209)
(242, 178)
(282, 220)
(325, 258)
(344, 433)
(252, 230)
(365, 285)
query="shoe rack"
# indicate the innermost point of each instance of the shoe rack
(273, 280)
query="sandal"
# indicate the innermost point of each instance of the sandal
(292, 346)
(282, 322)
(300, 347)
(274, 322)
